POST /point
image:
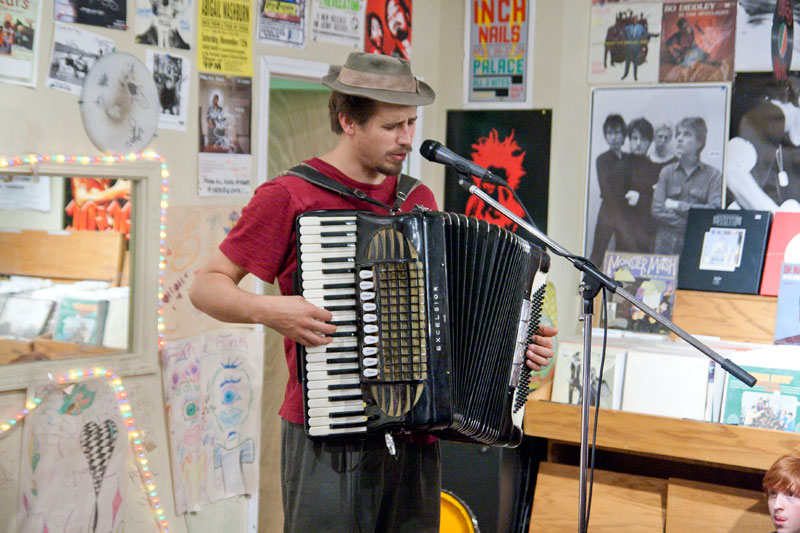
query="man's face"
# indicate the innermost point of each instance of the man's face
(384, 141)
(784, 508)
(614, 137)
(639, 143)
(686, 141)
(396, 20)
(376, 32)
(662, 139)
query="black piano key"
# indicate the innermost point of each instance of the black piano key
(337, 233)
(337, 222)
(335, 360)
(344, 386)
(337, 260)
(345, 398)
(345, 413)
(335, 349)
(344, 285)
(338, 297)
(348, 425)
(342, 371)
(337, 245)
(337, 271)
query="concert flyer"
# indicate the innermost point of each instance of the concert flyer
(624, 41)
(282, 22)
(167, 23)
(19, 47)
(698, 41)
(338, 22)
(224, 39)
(105, 14)
(498, 55)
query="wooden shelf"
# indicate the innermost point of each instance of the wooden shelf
(675, 439)
(732, 317)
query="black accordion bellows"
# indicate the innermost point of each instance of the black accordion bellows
(434, 312)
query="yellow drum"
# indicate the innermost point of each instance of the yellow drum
(456, 516)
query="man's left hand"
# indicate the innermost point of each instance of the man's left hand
(540, 352)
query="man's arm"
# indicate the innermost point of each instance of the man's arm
(215, 291)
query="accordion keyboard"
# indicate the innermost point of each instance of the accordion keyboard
(327, 266)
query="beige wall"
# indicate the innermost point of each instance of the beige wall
(42, 120)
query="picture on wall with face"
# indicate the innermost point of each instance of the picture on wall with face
(624, 41)
(654, 153)
(164, 23)
(106, 13)
(513, 145)
(758, 25)
(74, 52)
(764, 148)
(171, 74)
(224, 113)
(388, 28)
(697, 42)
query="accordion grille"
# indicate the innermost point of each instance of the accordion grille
(400, 299)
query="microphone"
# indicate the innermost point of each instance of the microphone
(438, 153)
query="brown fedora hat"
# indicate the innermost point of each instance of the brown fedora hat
(378, 77)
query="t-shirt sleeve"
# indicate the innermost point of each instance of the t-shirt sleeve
(259, 242)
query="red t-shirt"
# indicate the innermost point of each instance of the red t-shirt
(263, 241)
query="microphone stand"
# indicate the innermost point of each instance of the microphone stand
(594, 280)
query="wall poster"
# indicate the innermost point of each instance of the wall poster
(638, 137)
(498, 54)
(387, 29)
(514, 146)
(19, 48)
(212, 386)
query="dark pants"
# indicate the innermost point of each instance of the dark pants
(359, 486)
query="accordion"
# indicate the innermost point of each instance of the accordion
(434, 312)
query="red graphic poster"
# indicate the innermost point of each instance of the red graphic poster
(698, 40)
(388, 28)
(514, 145)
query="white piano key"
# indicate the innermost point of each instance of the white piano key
(343, 315)
(324, 402)
(319, 239)
(322, 431)
(321, 375)
(319, 302)
(321, 293)
(333, 253)
(325, 412)
(310, 220)
(318, 268)
(332, 380)
(319, 394)
(323, 366)
(326, 421)
(324, 356)
(337, 342)
(318, 248)
(319, 282)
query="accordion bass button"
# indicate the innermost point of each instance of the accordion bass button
(369, 317)
(369, 350)
(365, 274)
(370, 339)
(369, 306)
(366, 285)
(370, 372)
(370, 328)
(368, 295)
(370, 361)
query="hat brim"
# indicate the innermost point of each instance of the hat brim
(424, 95)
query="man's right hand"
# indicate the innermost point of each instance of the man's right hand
(299, 320)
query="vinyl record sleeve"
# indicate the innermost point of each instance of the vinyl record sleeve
(723, 250)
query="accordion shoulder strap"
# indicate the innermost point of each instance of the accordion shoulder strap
(405, 184)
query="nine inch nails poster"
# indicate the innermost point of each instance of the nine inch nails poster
(498, 60)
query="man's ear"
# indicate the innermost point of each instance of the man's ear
(348, 124)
